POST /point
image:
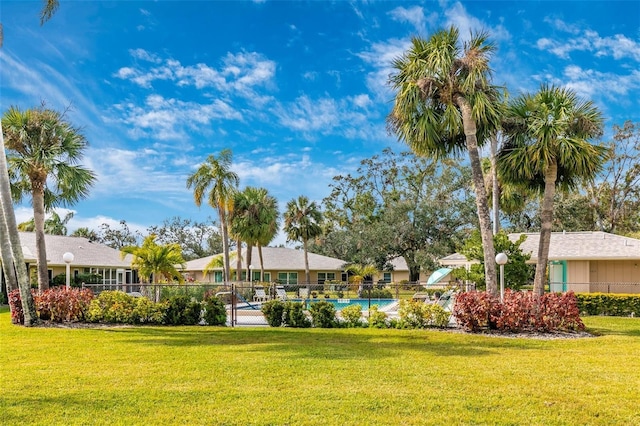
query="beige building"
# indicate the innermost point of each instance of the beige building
(582, 261)
(589, 261)
(89, 257)
(282, 265)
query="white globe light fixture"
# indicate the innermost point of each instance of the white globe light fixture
(68, 258)
(502, 259)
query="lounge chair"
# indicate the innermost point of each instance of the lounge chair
(260, 295)
(281, 294)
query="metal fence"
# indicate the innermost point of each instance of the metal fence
(244, 300)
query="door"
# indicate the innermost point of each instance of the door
(558, 276)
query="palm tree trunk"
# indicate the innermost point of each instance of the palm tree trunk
(546, 217)
(307, 275)
(225, 244)
(495, 187)
(239, 260)
(261, 263)
(249, 250)
(481, 195)
(41, 247)
(9, 225)
(6, 258)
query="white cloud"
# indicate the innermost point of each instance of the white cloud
(239, 73)
(172, 119)
(413, 15)
(617, 46)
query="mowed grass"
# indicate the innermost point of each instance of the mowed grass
(264, 376)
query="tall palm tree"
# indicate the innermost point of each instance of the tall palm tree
(444, 105)
(547, 146)
(216, 179)
(255, 221)
(302, 222)
(44, 151)
(9, 238)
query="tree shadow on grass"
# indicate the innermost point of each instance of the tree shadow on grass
(325, 343)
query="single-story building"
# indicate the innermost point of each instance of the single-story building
(89, 257)
(590, 261)
(282, 265)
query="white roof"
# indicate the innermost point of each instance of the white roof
(594, 245)
(86, 253)
(277, 258)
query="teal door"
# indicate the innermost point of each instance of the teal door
(558, 276)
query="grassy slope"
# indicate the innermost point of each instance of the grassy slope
(202, 375)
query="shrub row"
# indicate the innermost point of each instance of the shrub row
(323, 314)
(620, 305)
(520, 311)
(116, 307)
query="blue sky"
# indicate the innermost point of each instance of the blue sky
(296, 89)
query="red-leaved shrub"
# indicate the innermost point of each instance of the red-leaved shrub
(475, 310)
(520, 311)
(55, 304)
(15, 305)
(62, 304)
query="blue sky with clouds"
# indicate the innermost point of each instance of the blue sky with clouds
(296, 89)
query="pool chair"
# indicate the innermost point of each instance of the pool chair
(281, 294)
(260, 295)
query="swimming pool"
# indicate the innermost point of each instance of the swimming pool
(338, 303)
(343, 303)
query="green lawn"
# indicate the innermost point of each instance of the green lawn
(204, 375)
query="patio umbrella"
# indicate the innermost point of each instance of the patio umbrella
(438, 275)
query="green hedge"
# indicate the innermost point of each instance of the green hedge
(616, 305)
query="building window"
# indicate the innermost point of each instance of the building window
(326, 276)
(217, 276)
(287, 278)
(386, 277)
(256, 276)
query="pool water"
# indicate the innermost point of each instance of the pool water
(364, 303)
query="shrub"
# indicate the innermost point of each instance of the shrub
(112, 307)
(215, 312)
(415, 314)
(147, 312)
(273, 311)
(475, 310)
(294, 315)
(181, 310)
(376, 293)
(377, 319)
(323, 314)
(520, 311)
(61, 304)
(352, 315)
(609, 304)
(15, 304)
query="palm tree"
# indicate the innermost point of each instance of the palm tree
(255, 221)
(87, 233)
(215, 178)
(9, 238)
(445, 104)
(302, 222)
(154, 260)
(547, 146)
(359, 273)
(54, 225)
(44, 150)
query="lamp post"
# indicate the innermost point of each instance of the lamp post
(501, 259)
(68, 258)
